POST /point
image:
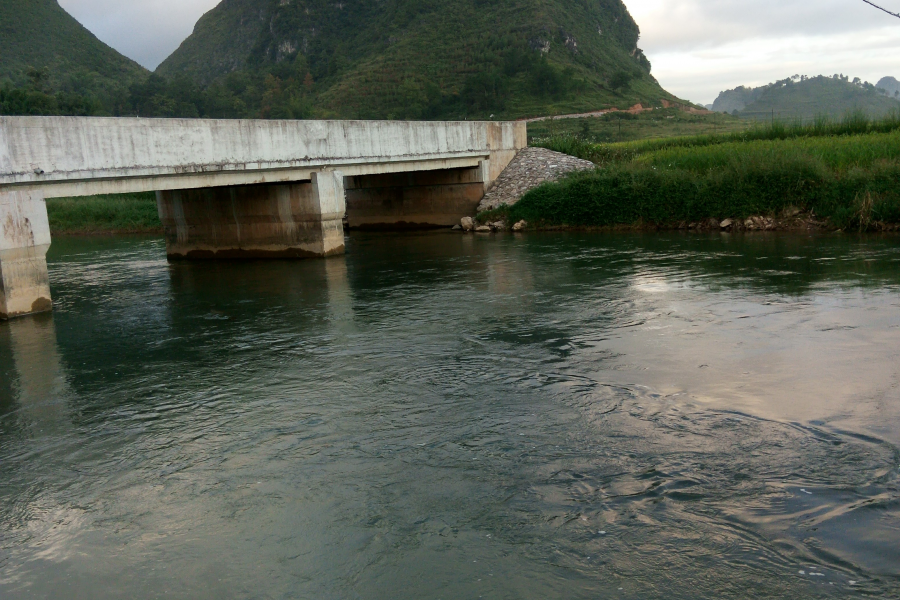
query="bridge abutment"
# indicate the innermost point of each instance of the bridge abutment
(289, 220)
(24, 241)
(438, 198)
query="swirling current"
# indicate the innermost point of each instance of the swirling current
(448, 416)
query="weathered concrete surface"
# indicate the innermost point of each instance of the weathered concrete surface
(256, 221)
(24, 241)
(530, 168)
(414, 200)
(231, 188)
(77, 156)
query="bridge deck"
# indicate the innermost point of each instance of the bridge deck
(74, 156)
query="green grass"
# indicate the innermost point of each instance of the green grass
(625, 127)
(851, 124)
(126, 213)
(847, 172)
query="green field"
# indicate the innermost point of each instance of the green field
(846, 172)
(127, 213)
(625, 127)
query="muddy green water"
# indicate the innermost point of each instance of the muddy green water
(443, 416)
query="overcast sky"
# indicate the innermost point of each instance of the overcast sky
(697, 47)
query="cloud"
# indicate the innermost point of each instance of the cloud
(146, 31)
(700, 47)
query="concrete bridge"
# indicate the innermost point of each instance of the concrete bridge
(235, 189)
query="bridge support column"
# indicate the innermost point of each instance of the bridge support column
(419, 199)
(292, 220)
(24, 241)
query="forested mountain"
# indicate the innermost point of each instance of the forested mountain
(379, 59)
(806, 97)
(43, 49)
(417, 58)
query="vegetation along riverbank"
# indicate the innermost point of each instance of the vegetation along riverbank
(125, 213)
(826, 174)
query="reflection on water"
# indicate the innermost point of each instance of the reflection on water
(450, 416)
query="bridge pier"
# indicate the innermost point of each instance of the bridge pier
(284, 220)
(24, 241)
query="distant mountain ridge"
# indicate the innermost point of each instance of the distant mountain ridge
(807, 97)
(39, 36)
(424, 58)
(889, 85)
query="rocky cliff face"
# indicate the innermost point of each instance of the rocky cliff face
(352, 55)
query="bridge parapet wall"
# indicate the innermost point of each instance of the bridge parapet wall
(75, 156)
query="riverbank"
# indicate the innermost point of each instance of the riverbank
(104, 215)
(829, 175)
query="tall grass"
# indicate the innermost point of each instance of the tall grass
(853, 123)
(835, 153)
(851, 178)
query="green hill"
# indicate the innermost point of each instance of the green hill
(890, 86)
(417, 58)
(40, 38)
(806, 98)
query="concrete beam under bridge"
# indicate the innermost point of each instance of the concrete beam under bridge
(231, 189)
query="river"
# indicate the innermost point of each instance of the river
(448, 416)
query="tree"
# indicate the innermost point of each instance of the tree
(620, 80)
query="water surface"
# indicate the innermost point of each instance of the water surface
(449, 416)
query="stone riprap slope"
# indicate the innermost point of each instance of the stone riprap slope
(529, 169)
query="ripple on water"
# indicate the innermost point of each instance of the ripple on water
(443, 417)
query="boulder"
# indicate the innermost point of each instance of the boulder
(467, 223)
(520, 226)
(726, 223)
(483, 229)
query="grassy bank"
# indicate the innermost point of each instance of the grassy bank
(846, 173)
(125, 213)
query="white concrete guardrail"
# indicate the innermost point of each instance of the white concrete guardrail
(239, 188)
